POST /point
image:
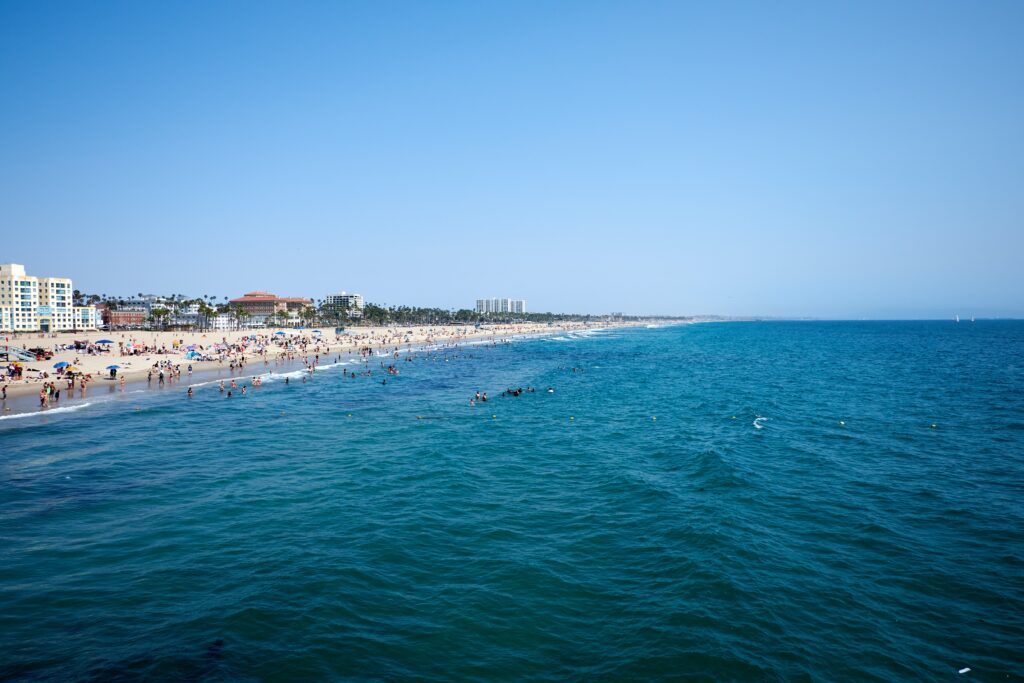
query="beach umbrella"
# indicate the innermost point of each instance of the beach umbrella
(105, 341)
(113, 367)
(280, 333)
(61, 364)
(191, 347)
(192, 354)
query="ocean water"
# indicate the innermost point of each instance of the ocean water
(637, 523)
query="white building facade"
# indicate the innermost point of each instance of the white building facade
(353, 303)
(501, 305)
(39, 304)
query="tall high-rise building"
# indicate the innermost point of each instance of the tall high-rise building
(352, 303)
(29, 303)
(501, 306)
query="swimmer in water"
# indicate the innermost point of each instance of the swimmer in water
(190, 392)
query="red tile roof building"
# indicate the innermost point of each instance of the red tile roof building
(265, 303)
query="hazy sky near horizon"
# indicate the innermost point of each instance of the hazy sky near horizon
(843, 160)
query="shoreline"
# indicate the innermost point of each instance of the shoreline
(22, 398)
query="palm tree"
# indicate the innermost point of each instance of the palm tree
(160, 315)
(205, 311)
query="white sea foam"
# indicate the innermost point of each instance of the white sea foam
(51, 411)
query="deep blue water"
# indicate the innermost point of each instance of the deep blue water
(321, 530)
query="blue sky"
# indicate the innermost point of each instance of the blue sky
(792, 159)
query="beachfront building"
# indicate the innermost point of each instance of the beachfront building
(501, 305)
(123, 317)
(223, 322)
(185, 316)
(39, 304)
(85, 318)
(352, 304)
(261, 305)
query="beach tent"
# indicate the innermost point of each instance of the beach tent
(192, 354)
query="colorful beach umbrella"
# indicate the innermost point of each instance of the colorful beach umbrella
(61, 364)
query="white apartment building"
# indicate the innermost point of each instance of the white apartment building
(86, 318)
(32, 304)
(501, 305)
(352, 302)
(223, 322)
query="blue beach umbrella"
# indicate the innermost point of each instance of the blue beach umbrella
(113, 367)
(105, 341)
(61, 364)
(281, 333)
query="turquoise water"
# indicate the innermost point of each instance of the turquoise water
(570, 536)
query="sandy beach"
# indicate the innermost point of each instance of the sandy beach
(140, 352)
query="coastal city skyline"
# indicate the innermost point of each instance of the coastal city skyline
(350, 301)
